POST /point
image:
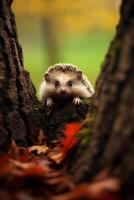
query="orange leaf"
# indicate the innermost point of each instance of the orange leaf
(35, 171)
(70, 132)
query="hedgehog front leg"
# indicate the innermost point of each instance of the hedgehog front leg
(49, 102)
(77, 101)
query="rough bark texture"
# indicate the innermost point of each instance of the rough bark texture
(17, 94)
(111, 145)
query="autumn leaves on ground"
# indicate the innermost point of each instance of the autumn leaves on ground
(40, 172)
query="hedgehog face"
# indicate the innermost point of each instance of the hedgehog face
(63, 83)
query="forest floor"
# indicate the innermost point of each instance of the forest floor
(41, 172)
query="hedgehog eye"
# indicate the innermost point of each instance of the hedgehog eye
(70, 83)
(57, 83)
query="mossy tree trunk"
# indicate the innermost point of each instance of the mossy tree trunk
(17, 94)
(112, 135)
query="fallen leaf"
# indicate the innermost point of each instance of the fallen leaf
(29, 169)
(70, 132)
(56, 157)
(20, 165)
(39, 149)
(35, 170)
(103, 190)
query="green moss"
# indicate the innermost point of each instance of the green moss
(85, 133)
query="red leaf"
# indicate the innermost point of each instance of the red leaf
(34, 171)
(70, 132)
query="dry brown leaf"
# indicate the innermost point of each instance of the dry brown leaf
(29, 169)
(40, 149)
(56, 157)
(20, 165)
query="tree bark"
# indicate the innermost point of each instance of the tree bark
(111, 141)
(17, 94)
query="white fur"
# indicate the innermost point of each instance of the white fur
(45, 90)
(63, 78)
(80, 90)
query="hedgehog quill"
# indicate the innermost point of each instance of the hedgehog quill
(64, 81)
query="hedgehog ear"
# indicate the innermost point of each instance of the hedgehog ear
(46, 77)
(79, 74)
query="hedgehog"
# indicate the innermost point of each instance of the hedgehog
(63, 81)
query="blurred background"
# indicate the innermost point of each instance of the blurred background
(75, 31)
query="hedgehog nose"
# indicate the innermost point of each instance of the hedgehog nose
(63, 91)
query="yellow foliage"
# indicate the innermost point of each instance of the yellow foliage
(73, 15)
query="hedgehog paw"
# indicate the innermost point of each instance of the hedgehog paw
(49, 102)
(77, 101)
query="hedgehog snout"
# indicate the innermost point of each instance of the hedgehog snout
(63, 90)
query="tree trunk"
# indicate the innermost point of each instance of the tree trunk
(17, 94)
(51, 40)
(111, 144)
